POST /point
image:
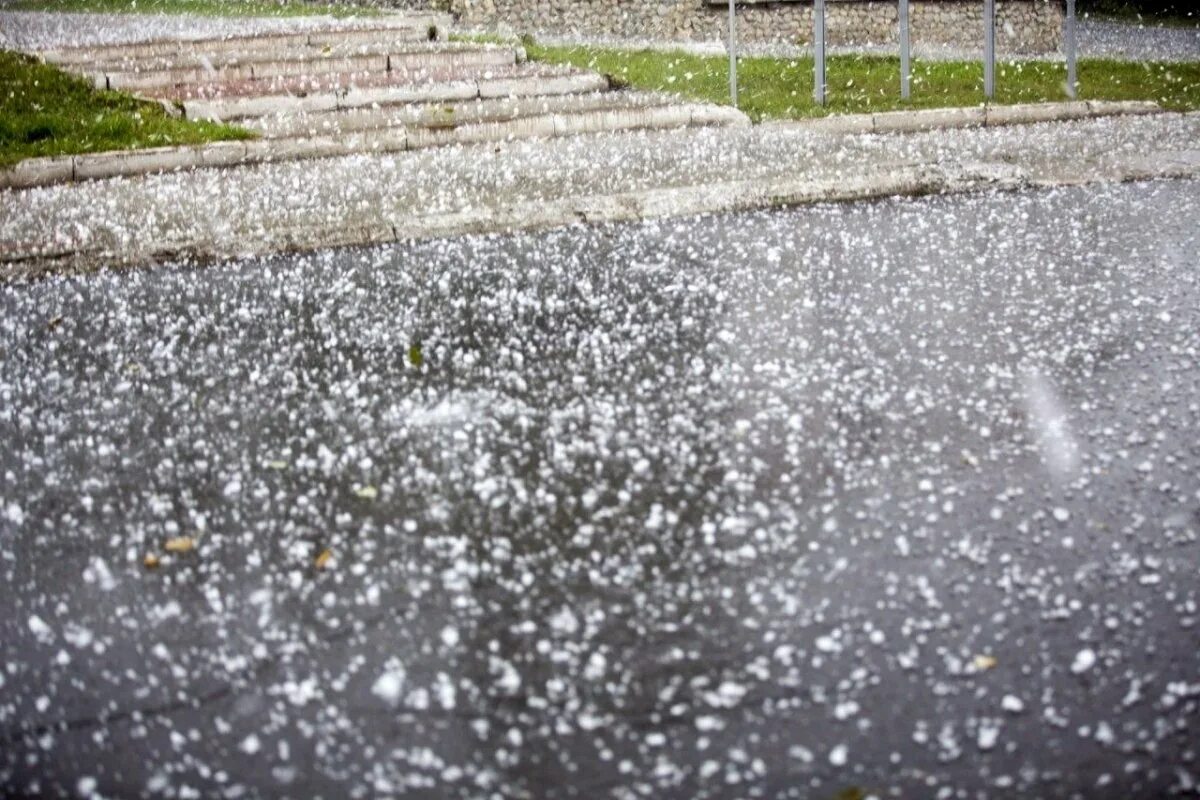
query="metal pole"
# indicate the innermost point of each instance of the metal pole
(1069, 35)
(819, 52)
(732, 54)
(989, 49)
(905, 62)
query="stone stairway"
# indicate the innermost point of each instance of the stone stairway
(395, 84)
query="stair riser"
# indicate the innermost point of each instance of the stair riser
(523, 87)
(308, 85)
(397, 53)
(252, 107)
(557, 125)
(369, 37)
(398, 140)
(156, 79)
(445, 115)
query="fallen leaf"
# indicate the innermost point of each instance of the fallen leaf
(983, 662)
(150, 561)
(277, 464)
(180, 544)
(367, 492)
(415, 356)
(54, 323)
(323, 558)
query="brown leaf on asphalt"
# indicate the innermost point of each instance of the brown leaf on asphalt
(983, 662)
(54, 323)
(180, 544)
(150, 561)
(323, 558)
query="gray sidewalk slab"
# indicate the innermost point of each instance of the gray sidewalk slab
(26, 30)
(508, 186)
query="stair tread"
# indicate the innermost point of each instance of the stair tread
(335, 82)
(451, 114)
(303, 54)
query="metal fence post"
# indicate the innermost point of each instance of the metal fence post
(1069, 35)
(819, 52)
(905, 63)
(733, 54)
(989, 49)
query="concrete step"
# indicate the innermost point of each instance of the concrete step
(550, 125)
(347, 92)
(167, 79)
(383, 29)
(97, 166)
(449, 114)
(301, 85)
(301, 53)
(335, 93)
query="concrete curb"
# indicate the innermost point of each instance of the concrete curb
(522, 216)
(893, 180)
(973, 117)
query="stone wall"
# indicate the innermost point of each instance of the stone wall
(1022, 26)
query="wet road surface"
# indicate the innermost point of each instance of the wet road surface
(1104, 39)
(894, 499)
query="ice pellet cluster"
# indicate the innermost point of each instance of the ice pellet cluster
(895, 499)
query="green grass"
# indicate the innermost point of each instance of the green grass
(781, 88)
(207, 8)
(46, 112)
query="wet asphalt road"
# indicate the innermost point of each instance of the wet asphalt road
(895, 499)
(1102, 39)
